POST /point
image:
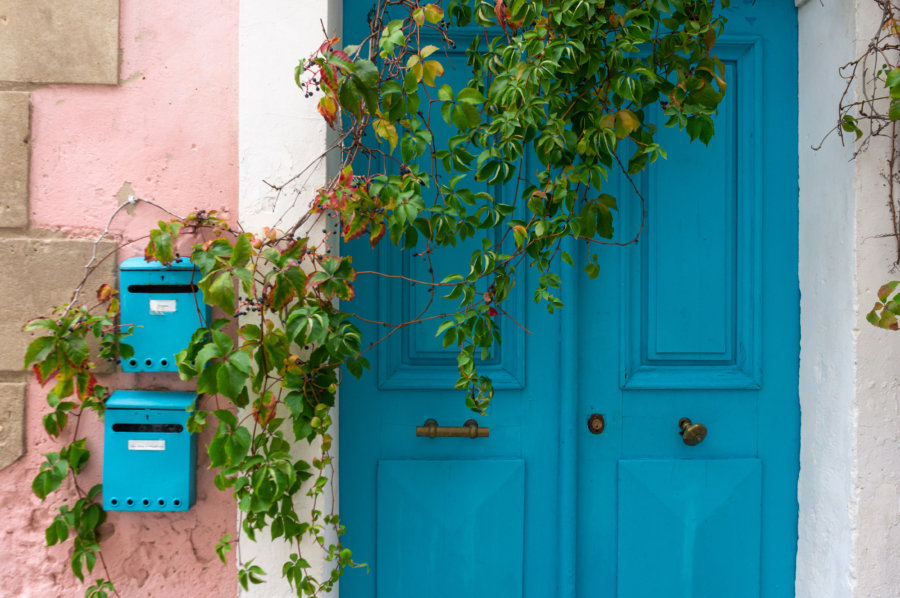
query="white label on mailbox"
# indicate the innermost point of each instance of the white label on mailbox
(160, 307)
(146, 445)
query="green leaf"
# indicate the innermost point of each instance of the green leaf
(241, 361)
(241, 254)
(893, 78)
(39, 349)
(230, 380)
(41, 324)
(220, 292)
(367, 72)
(894, 110)
(470, 96)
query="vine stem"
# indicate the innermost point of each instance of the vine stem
(891, 182)
(93, 263)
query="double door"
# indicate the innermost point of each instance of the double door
(585, 485)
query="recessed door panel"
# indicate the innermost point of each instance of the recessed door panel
(689, 528)
(450, 528)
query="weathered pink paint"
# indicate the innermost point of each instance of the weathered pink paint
(170, 130)
(148, 554)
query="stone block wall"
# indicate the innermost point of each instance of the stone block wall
(43, 41)
(101, 99)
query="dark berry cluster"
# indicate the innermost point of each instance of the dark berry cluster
(247, 305)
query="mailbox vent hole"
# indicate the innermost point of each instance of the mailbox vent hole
(163, 362)
(176, 502)
(133, 362)
(162, 289)
(161, 502)
(146, 502)
(148, 362)
(129, 502)
(114, 501)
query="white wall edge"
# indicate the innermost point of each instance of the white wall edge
(280, 133)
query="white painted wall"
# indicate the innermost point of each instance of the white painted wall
(876, 550)
(827, 307)
(280, 134)
(849, 487)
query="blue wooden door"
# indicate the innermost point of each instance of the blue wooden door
(698, 320)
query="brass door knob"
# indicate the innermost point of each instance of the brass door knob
(692, 434)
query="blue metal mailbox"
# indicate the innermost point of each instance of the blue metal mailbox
(149, 458)
(165, 307)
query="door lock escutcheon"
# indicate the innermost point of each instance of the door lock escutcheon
(596, 423)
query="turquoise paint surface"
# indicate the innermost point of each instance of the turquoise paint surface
(699, 319)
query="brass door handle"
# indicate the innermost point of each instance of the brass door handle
(470, 429)
(692, 434)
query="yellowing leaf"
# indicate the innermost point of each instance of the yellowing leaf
(419, 16)
(629, 120)
(386, 130)
(417, 70)
(433, 13)
(433, 70)
(428, 51)
(328, 109)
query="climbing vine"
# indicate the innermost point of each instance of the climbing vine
(581, 85)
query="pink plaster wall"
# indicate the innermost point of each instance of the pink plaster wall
(170, 130)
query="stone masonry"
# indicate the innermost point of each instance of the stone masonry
(41, 42)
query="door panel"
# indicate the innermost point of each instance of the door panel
(698, 319)
(704, 533)
(692, 283)
(429, 515)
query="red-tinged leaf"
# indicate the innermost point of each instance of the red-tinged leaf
(328, 110)
(376, 233)
(500, 13)
(41, 378)
(85, 382)
(492, 312)
(327, 44)
(282, 293)
(520, 234)
(346, 177)
(315, 280)
(885, 291)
